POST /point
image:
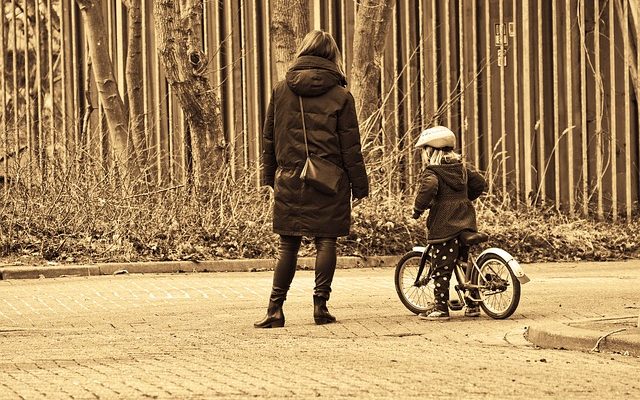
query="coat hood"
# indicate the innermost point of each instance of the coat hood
(312, 76)
(453, 175)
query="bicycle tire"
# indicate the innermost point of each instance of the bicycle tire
(415, 299)
(489, 301)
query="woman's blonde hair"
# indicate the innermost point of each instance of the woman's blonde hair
(321, 44)
(433, 156)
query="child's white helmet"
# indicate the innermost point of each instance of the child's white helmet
(438, 137)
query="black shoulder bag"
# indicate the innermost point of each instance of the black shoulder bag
(322, 174)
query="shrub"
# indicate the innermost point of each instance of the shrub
(90, 222)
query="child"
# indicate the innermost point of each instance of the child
(447, 188)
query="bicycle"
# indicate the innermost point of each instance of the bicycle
(493, 279)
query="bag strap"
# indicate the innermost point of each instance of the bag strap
(304, 128)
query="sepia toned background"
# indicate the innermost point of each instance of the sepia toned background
(543, 93)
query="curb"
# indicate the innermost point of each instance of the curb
(562, 336)
(241, 265)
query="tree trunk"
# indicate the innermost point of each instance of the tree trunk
(289, 25)
(372, 23)
(179, 45)
(123, 152)
(134, 76)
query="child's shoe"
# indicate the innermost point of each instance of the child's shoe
(472, 311)
(436, 315)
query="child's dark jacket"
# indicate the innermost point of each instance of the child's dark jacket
(448, 190)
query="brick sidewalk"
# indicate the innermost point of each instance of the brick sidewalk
(191, 336)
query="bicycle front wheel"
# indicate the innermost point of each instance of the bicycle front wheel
(418, 298)
(499, 287)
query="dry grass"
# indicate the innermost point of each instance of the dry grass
(85, 220)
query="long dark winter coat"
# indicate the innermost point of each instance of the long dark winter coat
(332, 133)
(448, 190)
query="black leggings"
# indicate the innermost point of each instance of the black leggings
(288, 260)
(444, 256)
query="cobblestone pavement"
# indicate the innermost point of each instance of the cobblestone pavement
(191, 336)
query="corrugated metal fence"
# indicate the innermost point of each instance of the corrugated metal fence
(544, 92)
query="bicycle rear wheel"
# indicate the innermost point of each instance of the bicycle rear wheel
(418, 298)
(499, 287)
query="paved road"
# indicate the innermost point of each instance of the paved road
(191, 336)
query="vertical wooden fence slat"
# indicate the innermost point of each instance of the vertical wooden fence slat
(229, 84)
(568, 78)
(160, 114)
(395, 83)
(446, 45)
(475, 75)
(387, 123)
(516, 104)
(343, 46)
(258, 76)
(267, 53)
(556, 105)
(613, 131)
(627, 112)
(106, 134)
(147, 108)
(14, 70)
(488, 134)
(599, 110)
(244, 62)
(27, 94)
(121, 40)
(426, 63)
(503, 111)
(64, 50)
(349, 31)
(541, 126)
(528, 98)
(423, 84)
(316, 14)
(155, 103)
(3, 104)
(214, 48)
(407, 134)
(38, 133)
(434, 62)
(328, 20)
(75, 56)
(461, 73)
(583, 108)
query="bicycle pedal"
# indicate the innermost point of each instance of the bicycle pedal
(455, 305)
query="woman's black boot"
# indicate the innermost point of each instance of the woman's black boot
(320, 312)
(274, 317)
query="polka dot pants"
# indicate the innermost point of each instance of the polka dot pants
(444, 256)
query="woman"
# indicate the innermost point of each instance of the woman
(332, 133)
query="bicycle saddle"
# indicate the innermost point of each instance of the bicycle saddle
(468, 238)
